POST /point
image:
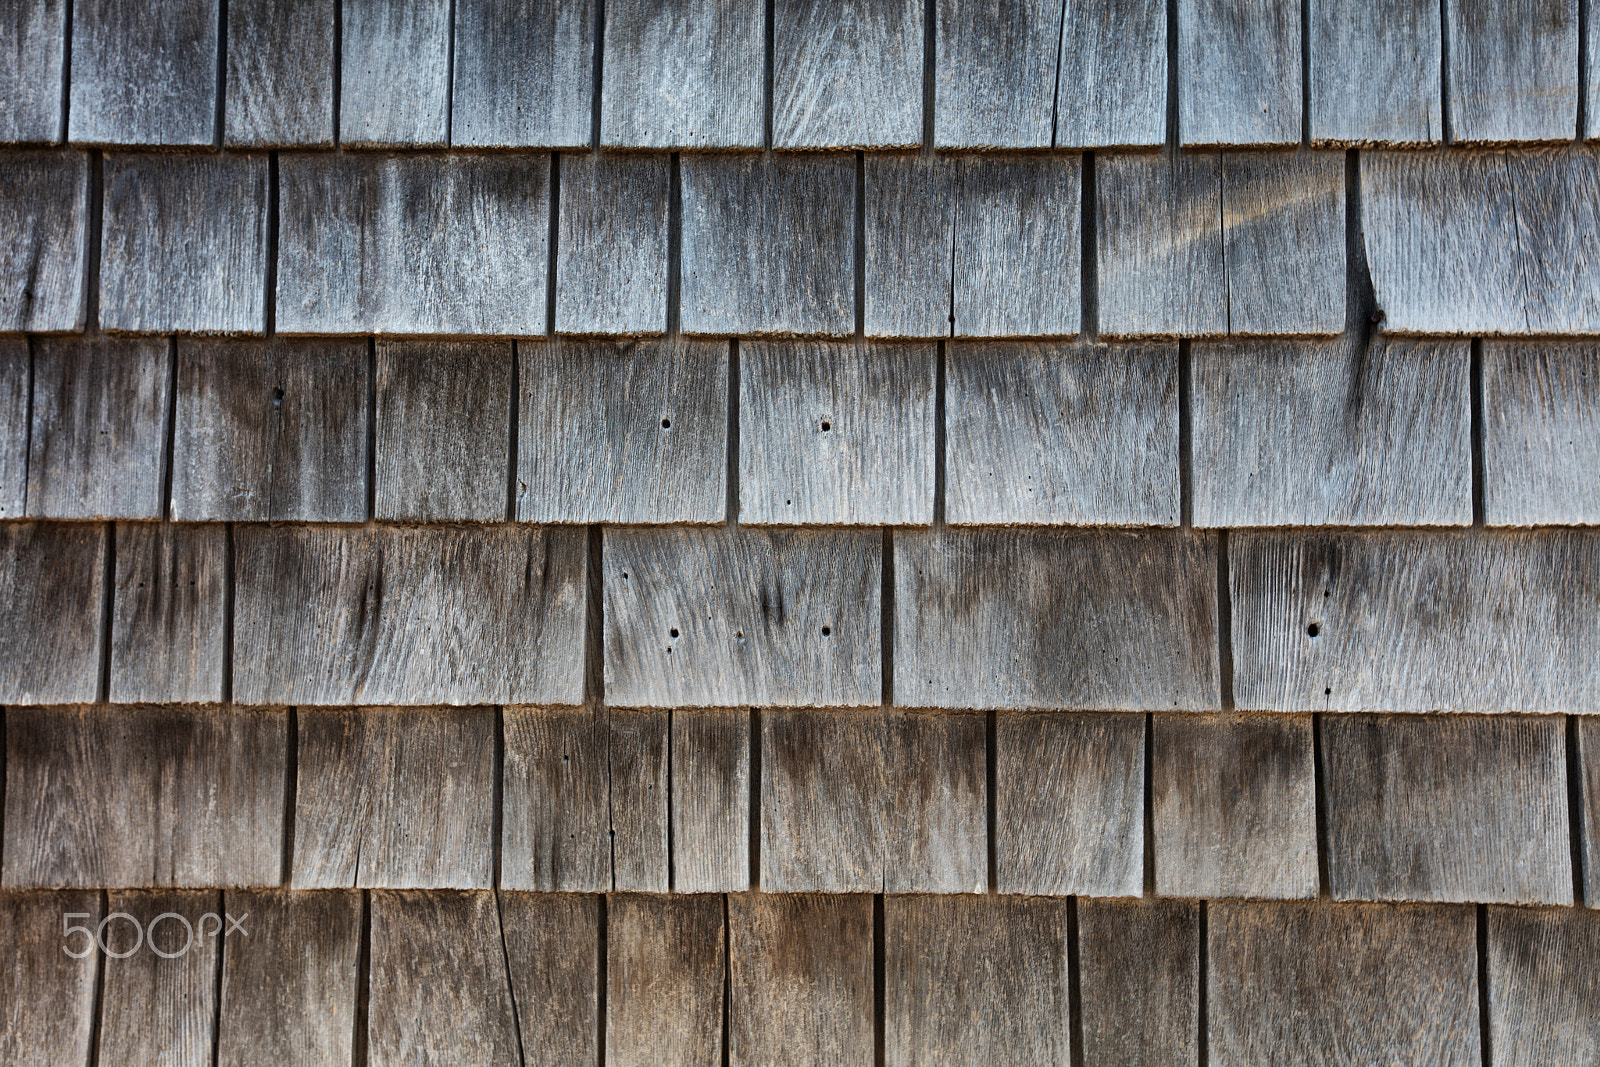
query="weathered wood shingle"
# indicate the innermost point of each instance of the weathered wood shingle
(847, 75)
(909, 223)
(1544, 994)
(556, 823)
(1111, 80)
(522, 73)
(666, 958)
(43, 220)
(31, 77)
(50, 619)
(47, 982)
(167, 616)
(278, 88)
(394, 73)
(1140, 984)
(995, 73)
(611, 244)
(1541, 434)
(16, 394)
(160, 1008)
(1513, 70)
(143, 80)
(711, 772)
(1374, 72)
(1238, 72)
(552, 947)
(1283, 242)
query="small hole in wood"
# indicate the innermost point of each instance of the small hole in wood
(827, 631)
(739, 634)
(1314, 630)
(666, 424)
(827, 426)
(277, 396)
(1327, 692)
(674, 633)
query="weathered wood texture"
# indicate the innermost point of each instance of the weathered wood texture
(420, 244)
(613, 432)
(47, 995)
(140, 80)
(666, 960)
(50, 617)
(847, 75)
(1591, 81)
(394, 798)
(1541, 434)
(683, 75)
(439, 988)
(556, 814)
(1447, 809)
(31, 76)
(42, 241)
(167, 614)
(160, 1008)
(394, 74)
(800, 981)
(909, 223)
(1238, 72)
(995, 73)
(522, 74)
(289, 994)
(872, 801)
(727, 618)
(1234, 806)
(768, 244)
(1422, 621)
(185, 245)
(443, 431)
(552, 946)
(144, 796)
(272, 431)
(387, 615)
(1017, 247)
(1140, 967)
(1374, 73)
(1329, 984)
(278, 91)
(1588, 731)
(975, 979)
(1284, 244)
(1060, 434)
(711, 800)
(97, 443)
(1544, 995)
(611, 252)
(1513, 73)
(16, 394)
(1090, 620)
(836, 433)
(1069, 804)
(1111, 80)
(637, 762)
(1353, 432)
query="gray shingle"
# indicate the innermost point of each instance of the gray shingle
(279, 78)
(523, 73)
(143, 80)
(611, 244)
(43, 220)
(995, 73)
(31, 77)
(1541, 434)
(394, 74)
(1375, 73)
(1238, 72)
(51, 618)
(1513, 72)
(1111, 86)
(847, 75)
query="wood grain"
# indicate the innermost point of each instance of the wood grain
(43, 247)
(50, 619)
(935, 808)
(1069, 804)
(768, 245)
(156, 1010)
(271, 431)
(1140, 968)
(836, 433)
(1233, 806)
(1284, 244)
(1556, 225)
(48, 996)
(847, 75)
(1111, 80)
(1374, 73)
(1017, 247)
(1238, 72)
(387, 615)
(1158, 235)
(16, 394)
(552, 945)
(711, 800)
(1541, 434)
(1055, 434)
(682, 74)
(522, 74)
(138, 80)
(666, 960)
(185, 244)
(167, 641)
(31, 79)
(800, 980)
(1415, 621)
(1513, 72)
(556, 817)
(1447, 809)
(909, 223)
(278, 88)
(611, 249)
(394, 798)
(975, 979)
(638, 793)
(995, 73)
(1087, 620)
(417, 244)
(1351, 432)
(394, 74)
(719, 617)
(1544, 999)
(289, 994)
(1325, 984)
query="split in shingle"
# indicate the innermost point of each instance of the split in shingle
(30, 79)
(139, 78)
(48, 982)
(1513, 73)
(552, 948)
(611, 246)
(394, 74)
(1111, 88)
(1544, 993)
(43, 216)
(1374, 72)
(160, 1008)
(279, 77)
(167, 618)
(50, 619)
(1541, 434)
(666, 959)
(15, 395)
(1140, 981)
(1238, 72)
(995, 73)
(909, 222)
(847, 75)
(522, 74)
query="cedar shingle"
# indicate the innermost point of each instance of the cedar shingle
(42, 241)
(143, 79)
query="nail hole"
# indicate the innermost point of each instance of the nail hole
(739, 634)
(666, 424)
(827, 631)
(1313, 630)
(277, 396)
(827, 426)
(1327, 692)
(624, 575)
(674, 633)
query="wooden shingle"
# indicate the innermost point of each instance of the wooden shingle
(271, 431)
(167, 624)
(847, 75)
(1140, 967)
(1541, 434)
(418, 244)
(160, 1008)
(622, 432)
(522, 74)
(556, 819)
(1111, 80)
(909, 223)
(278, 88)
(16, 392)
(1055, 434)
(1447, 809)
(47, 981)
(415, 616)
(552, 946)
(1591, 80)
(1087, 620)
(611, 245)
(768, 245)
(145, 796)
(185, 246)
(31, 77)
(727, 618)
(1513, 70)
(836, 433)
(42, 244)
(1351, 432)
(666, 959)
(394, 74)
(682, 75)
(143, 80)
(50, 618)
(1416, 621)
(637, 760)
(394, 798)
(1238, 72)
(1374, 73)
(995, 73)
(1283, 238)
(1544, 995)
(711, 800)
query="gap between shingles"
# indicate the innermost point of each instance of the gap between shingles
(107, 605)
(270, 298)
(511, 444)
(930, 31)
(216, 1006)
(598, 63)
(939, 376)
(169, 429)
(879, 972)
(358, 1044)
(1074, 982)
(220, 100)
(1202, 1003)
(732, 504)
(602, 979)
(1185, 435)
(672, 873)
(92, 236)
(1149, 822)
(66, 77)
(450, 75)
(754, 807)
(1305, 73)
(859, 257)
(1485, 1035)
(27, 427)
(291, 788)
(1319, 792)
(1055, 86)
(1575, 829)
(1475, 377)
(1445, 117)
(1224, 623)
(338, 67)
(1089, 254)
(372, 428)
(497, 801)
(674, 244)
(768, 60)
(727, 983)
(97, 1006)
(554, 245)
